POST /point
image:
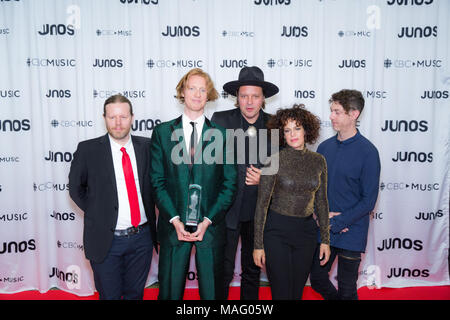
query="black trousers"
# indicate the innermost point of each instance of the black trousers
(289, 244)
(123, 273)
(250, 272)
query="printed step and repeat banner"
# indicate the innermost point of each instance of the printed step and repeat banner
(60, 60)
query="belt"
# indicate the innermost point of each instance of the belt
(130, 231)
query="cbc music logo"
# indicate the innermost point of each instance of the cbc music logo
(405, 126)
(7, 217)
(46, 62)
(10, 93)
(400, 186)
(70, 245)
(71, 123)
(71, 276)
(224, 94)
(135, 94)
(296, 63)
(352, 63)
(4, 31)
(412, 156)
(233, 63)
(13, 279)
(110, 32)
(183, 63)
(146, 2)
(405, 3)
(418, 32)
(15, 125)
(232, 33)
(294, 31)
(434, 94)
(375, 94)
(353, 33)
(407, 63)
(50, 186)
(18, 247)
(181, 31)
(57, 29)
(272, 2)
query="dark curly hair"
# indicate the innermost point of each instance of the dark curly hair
(302, 117)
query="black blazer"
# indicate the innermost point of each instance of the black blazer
(92, 186)
(232, 119)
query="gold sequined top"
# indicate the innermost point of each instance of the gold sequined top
(298, 189)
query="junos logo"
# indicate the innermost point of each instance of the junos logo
(305, 94)
(181, 31)
(108, 63)
(294, 31)
(405, 126)
(434, 94)
(145, 124)
(18, 247)
(405, 156)
(63, 216)
(418, 32)
(231, 63)
(429, 215)
(146, 2)
(59, 156)
(406, 272)
(272, 2)
(351, 63)
(397, 243)
(57, 29)
(71, 276)
(409, 2)
(15, 125)
(58, 93)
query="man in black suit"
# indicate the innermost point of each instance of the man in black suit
(109, 180)
(251, 91)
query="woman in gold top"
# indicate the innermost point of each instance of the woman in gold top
(285, 230)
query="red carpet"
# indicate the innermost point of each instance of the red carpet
(364, 293)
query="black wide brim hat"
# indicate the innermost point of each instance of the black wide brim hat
(251, 76)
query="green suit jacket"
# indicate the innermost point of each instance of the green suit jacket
(170, 179)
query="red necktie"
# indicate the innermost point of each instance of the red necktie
(131, 188)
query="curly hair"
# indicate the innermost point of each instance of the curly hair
(212, 93)
(302, 117)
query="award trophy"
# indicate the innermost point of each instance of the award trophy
(193, 207)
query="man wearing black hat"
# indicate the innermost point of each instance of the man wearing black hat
(251, 91)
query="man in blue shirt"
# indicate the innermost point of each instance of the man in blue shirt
(353, 178)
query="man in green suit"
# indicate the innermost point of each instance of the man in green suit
(182, 161)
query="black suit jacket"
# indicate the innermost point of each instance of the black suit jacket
(92, 186)
(232, 119)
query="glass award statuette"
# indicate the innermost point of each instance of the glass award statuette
(193, 207)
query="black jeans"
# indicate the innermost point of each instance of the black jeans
(347, 275)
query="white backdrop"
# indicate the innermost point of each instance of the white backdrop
(59, 61)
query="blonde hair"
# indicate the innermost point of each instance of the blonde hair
(212, 93)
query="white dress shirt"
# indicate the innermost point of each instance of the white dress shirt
(124, 218)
